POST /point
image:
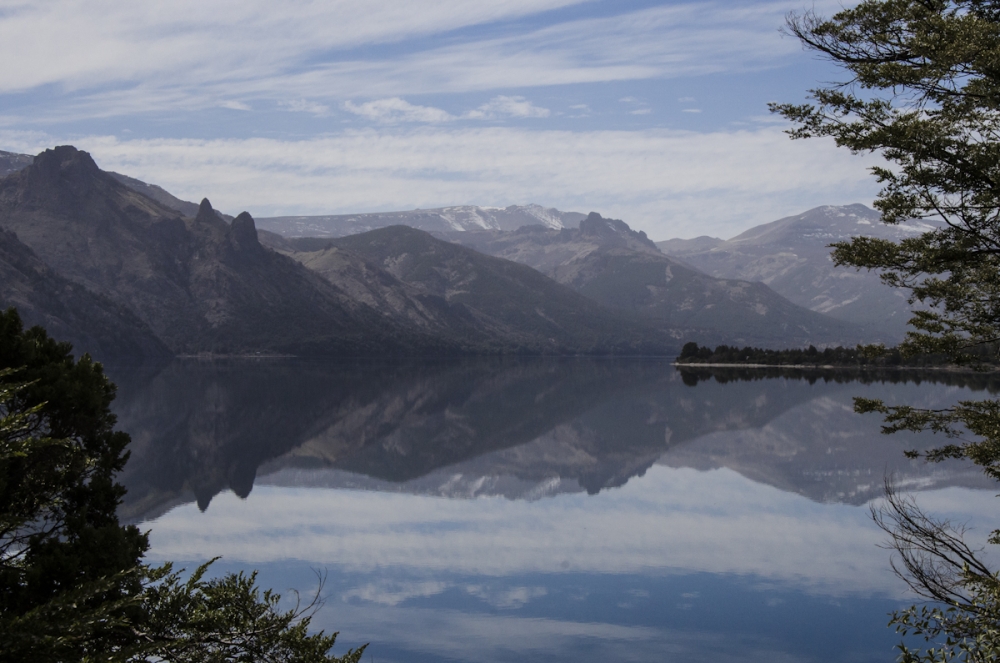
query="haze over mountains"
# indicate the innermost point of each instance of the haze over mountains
(183, 278)
(612, 264)
(467, 217)
(792, 256)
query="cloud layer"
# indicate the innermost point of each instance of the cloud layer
(668, 183)
(113, 58)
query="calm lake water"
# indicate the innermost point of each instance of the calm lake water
(544, 510)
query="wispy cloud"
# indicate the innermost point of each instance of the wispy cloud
(305, 106)
(397, 110)
(122, 58)
(503, 106)
(78, 45)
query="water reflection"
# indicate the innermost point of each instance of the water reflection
(576, 510)
(523, 429)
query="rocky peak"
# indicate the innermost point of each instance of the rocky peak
(205, 212)
(65, 161)
(596, 225)
(243, 232)
(62, 177)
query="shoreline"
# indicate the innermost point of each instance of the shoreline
(949, 369)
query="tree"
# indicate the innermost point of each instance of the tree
(923, 90)
(72, 583)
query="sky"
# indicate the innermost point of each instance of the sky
(651, 111)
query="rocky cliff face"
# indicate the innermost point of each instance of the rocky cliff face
(201, 284)
(69, 312)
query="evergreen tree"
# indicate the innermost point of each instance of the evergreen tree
(923, 91)
(72, 583)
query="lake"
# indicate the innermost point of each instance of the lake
(545, 509)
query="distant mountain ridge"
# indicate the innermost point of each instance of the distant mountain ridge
(791, 255)
(501, 293)
(11, 162)
(443, 219)
(614, 265)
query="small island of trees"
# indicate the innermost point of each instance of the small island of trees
(857, 357)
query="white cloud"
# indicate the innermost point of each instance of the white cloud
(503, 106)
(641, 111)
(235, 105)
(691, 110)
(305, 106)
(397, 110)
(686, 100)
(79, 44)
(119, 58)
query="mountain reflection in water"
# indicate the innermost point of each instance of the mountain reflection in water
(624, 510)
(519, 428)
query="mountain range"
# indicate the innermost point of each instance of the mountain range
(792, 256)
(205, 285)
(467, 217)
(607, 261)
(518, 279)
(200, 284)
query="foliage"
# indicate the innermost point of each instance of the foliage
(72, 583)
(876, 357)
(938, 565)
(924, 92)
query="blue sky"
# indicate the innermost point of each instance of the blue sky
(650, 111)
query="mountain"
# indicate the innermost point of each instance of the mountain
(486, 299)
(614, 265)
(432, 220)
(70, 312)
(201, 284)
(162, 196)
(11, 162)
(792, 257)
